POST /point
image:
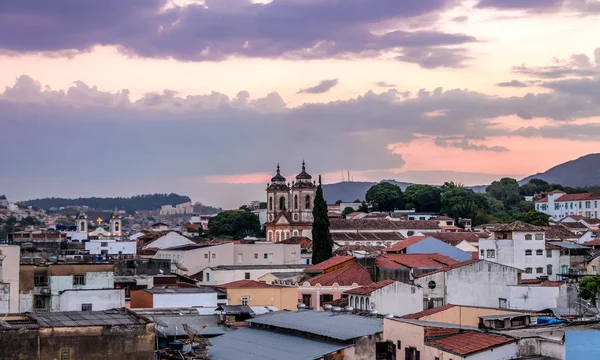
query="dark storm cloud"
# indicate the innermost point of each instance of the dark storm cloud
(322, 87)
(293, 29)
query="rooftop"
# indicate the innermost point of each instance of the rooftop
(469, 342)
(366, 236)
(518, 226)
(245, 284)
(179, 290)
(365, 290)
(324, 265)
(406, 243)
(340, 327)
(345, 276)
(559, 232)
(382, 224)
(428, 312)
(436, 324)
(454, 238)
(86, 318)
(258, 267)
(406, 261)
(453, 266)
(568, 245)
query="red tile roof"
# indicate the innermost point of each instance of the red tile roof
(244, 284)
(443, 218)
(517, 226)
(574, 197)
(424, 313)
(405, 261)
(469, 342)
(365, 290)
(592, 243)
(382, 224)
(405, 243)
(324, 265)
(451, 267)
(367, 236)
(346, 276)
(539, 282)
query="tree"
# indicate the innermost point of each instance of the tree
(534, 218)
(424, 198)
(347, 210)
(363, 208)
(234, 223)
(589, 287)
(460, 202)
(339, 202)
(506, 190)
(385, 197)
(321, 238)
(262, 205)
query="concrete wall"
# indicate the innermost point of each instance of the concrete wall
(112, 247)
(104, 299)
(198, 259)
(532, 297)
(464, 315)
(408, 335)
(219, 277)
(10, 273)
(397, 298)
(93, 280)
(184, 300)
(540, 347)
(141, 299)
(277, 254)
(4, 298)
(283, 298)
(435, 246)
(364, 348)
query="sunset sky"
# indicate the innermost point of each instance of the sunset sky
(205, 97)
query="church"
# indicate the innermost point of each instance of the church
(289, 206)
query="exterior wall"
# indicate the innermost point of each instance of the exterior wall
(316, 291)
(219, 277)
(141, 299)
(397, 298)
(506, 352)
(198, 259)
(10, 273)
(185, 300)
(364, 348)
(434, 246)
(439, 292)
(541, 347)
(283, 298)
(93, 280)
(169, 240)
(112, 247)
(537, 297)
(407, 334)
(99, 299)
(4, 298)
(463, 315)
(479, 284)
(277, 254)
(593, 266)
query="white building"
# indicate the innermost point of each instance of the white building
(378, 231)
(10, 257)
(543, 295)
(558, 204)
(523, 246)
(59, 284)
(169, 240)
(174, 298)
(224, 274)
(470, 283)
(91, 300)
(180, 209)
(387, 297)
(111, 247)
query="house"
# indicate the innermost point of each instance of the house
(69, 287)
(335, 277)
(572, 259)
(593, 262)
(558, 204)
(10, 256)
(523, 246)
(254, 293)
(159, 227)
(282, 277)
(173, 297)
(93, 335)
(305, 334)
(432, 340)
(382, 228)
(471, 283)
(217, 275)
(168, 240)
(404, 267)
(112, 248)
(386, 297)
(560, 233)
(458, 314)
(447, 224)
(541, 294)
(305, 247)
(191, 230)
(422, 244)
(379, 239)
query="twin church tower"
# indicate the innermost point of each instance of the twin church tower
(289, 206)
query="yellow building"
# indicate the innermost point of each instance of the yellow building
(254, 293)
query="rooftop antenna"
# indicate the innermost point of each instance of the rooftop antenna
(348, 175)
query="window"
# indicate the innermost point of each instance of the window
(410, 233)
(307, 300)
(539, 270)
(548, 253)
(244, 300)
(307, 202)
(482, 253)
(326, 298)
(38, 303)
(265, 255)
(78, 279)
(207, 277)
(528, 237)
(430, 303)
(492, 254)
(40, 280)
(256, 255)
(528, 252)
(295, 201)
(206, 256)
(571, 205)
(271, 204)
(594, 268)
(528, 270)
(502, 303)
(449, 223)
(214, 256)
(557, 206)
(103, 243)
(278, 236)
(86, 307)
(65, 354)
(580, 205)
(539, 252)
(282, 203)
(240, 258)
(399, 345)
(588, 204)
(549, 269)
(247, 276)
(539, 236)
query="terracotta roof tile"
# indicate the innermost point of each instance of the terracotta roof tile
(424, 313)
(592, 243)
(341, 302)
(294, 240)
(573, 197)
(406, 261)
(346, 276)
(324, 265)
(451, 267)
(573, 225)
(382, 224)
(518, 226)
(454, 238)
(364, 290)
(366, 236)
(469, 342)
(348, 249)
(447, 218)
(559, 232)
(244, 284)
(405, 243)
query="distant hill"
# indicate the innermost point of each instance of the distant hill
(578, 173)
(349, 191)
(134, 203)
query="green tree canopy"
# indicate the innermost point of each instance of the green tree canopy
(321, 237)
(424, 198)
(235, 224)
(460, 202)
(589, 287)
(534, 218)
(506, 190)
(385, 197)
(347, 210)
(262, 205)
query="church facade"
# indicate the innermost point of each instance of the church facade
(289, 206)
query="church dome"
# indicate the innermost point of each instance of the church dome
(278, 181)
(278, 177)
(303, 175)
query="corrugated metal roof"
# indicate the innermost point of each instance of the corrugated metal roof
(259, 344)
(568, 245)
(340, 327)
(85, 318)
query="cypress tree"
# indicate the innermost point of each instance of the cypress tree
(321, 238)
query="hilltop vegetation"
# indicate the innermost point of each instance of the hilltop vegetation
(134, 203)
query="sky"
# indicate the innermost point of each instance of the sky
(205, 97)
